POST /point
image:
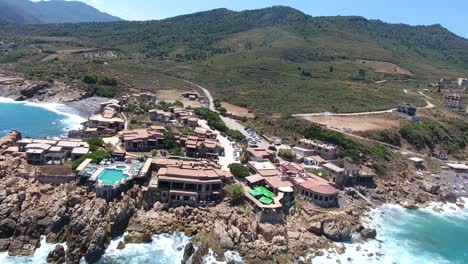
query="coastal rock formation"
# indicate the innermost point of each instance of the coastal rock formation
(56, 256)
(368, 233)
(14, 86)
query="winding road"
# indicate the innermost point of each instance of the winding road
(230, 123)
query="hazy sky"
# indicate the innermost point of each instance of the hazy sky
(452, 14)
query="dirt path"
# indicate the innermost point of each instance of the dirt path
(429, 105)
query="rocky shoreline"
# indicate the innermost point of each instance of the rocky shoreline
(17, 88)
(71, 214)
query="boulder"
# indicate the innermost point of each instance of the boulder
(7, 228)
(121, 245)
(336, 228)
(316, 228)
(57, 255)
(219, 230)
(368, 233)
(137, 238)
(268, 231)
(188, 252)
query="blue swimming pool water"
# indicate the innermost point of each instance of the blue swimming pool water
(111, 176)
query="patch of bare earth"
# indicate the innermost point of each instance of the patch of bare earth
(384, 67)
(237, 110)
(173, 95)
(359, 123)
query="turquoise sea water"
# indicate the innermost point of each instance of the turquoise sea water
(410, 236)
(37, 120)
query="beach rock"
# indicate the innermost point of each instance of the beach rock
(268, 231)
(408, 204)
(137, 238)
(219, 230)
(121, 245)
(57, 255)
(316, 228)
(188, 252)
(368, 233)
(337, 228)
(7, 228)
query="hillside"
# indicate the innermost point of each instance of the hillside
(56, 11)
(273, 60)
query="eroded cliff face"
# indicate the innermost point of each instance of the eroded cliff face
(30, 209)
(15, 87)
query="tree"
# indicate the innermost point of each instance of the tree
(95, 143)
(222, 110)
(239, 170)
(331, 69)
(170, 139)
(235, 192)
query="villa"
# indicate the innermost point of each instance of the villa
(148, 97)
(48, 151)
(259, 154)
(105, 122)
(160, 116)
(201, 147)
(345, 173)
(187, 183)
(143, 139)
(452, 100)
(324, 150)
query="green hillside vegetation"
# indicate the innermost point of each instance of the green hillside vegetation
(272, 60)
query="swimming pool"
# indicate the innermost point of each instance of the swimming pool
(121, 167)
(111, 176)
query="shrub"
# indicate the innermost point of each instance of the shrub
(96, 157)
(95, 143)
(380, 169)
(286, 154)
(239, 170)
(235, 192)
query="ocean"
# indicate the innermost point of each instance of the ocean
(37, 120)
(409, 236)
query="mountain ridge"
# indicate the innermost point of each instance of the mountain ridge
(57, 11)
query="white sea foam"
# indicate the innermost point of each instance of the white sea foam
(72, 119)
(388, 247)
(165, 248)
(230, 256)
(39, 257)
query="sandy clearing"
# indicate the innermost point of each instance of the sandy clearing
(359, 123)
(237, 110)
(168, 94)
(384, 67)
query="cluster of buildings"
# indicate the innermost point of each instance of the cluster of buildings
(50, 151)
(175, 114)
(201, 143)
(455, 101)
